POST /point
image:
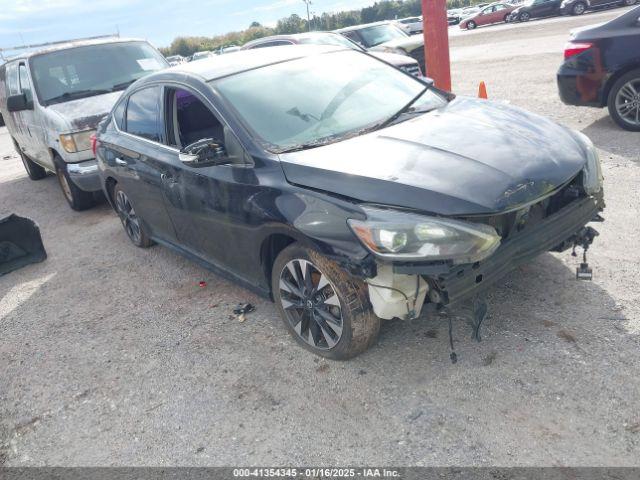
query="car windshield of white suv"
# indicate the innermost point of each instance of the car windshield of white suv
(378, 34)
(327, 98)
(80, 72)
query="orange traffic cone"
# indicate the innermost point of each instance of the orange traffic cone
(482, 91)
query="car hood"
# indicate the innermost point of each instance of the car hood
(86, 113)
(407, 44)
(394, 59)
(470, 157)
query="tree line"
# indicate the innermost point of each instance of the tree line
(382, 10)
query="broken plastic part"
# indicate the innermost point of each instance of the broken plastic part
(396, 295)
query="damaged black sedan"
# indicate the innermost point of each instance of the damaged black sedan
(341, 187)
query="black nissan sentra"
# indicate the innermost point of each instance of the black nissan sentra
(341, 187)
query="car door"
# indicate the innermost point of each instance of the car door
(207, 203)
(544, 8)
(141, 159)
(486, 16)
(34, 142)
(499, 12)
(14, 119)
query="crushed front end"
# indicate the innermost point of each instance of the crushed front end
(557, 222)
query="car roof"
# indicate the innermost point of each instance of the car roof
(72, 44)
(293, 37)
(225, 65)
(360, 27)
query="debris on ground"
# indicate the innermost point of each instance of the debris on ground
(566, 336)
(489, 359)
(202, 284)
(242, 309)
(322, 368)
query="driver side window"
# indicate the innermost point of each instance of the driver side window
(189, 121)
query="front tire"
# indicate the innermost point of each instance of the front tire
(77, 198)
(628, 3)
(471, 25)
(324, 308)
(131, 223)
(624, 101)
(524, 17)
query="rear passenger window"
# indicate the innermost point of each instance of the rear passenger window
(118, 114)
(143, 114)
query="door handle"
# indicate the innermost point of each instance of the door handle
(120, 161)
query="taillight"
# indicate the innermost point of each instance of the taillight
(573, 49)
(94, 143)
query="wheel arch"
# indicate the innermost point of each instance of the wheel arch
(109, 186)
(613, 78)
(270, 248)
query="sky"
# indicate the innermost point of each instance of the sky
(159, 21)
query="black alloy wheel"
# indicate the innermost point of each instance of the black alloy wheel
(130, 220)
(324, 308)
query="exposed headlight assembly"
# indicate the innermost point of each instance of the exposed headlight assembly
(592, 172)
(77, 142)
(405, 236)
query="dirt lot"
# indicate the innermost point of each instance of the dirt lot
(112, 355)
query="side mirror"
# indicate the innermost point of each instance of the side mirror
(18, 103)
(204, 153)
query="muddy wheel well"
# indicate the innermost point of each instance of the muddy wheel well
(270, 249)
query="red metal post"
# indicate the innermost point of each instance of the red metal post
(436, 42)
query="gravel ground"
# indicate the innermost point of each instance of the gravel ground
(112, 355)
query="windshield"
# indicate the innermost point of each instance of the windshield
(373, 36)
(80, 72)
(327, 98)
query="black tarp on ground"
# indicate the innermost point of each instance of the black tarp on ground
(20, 243)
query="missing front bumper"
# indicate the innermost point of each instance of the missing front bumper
(452, 284)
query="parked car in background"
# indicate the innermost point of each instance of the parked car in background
(411, 25)
(495, 13)
(535, 9)
(229, 49)
(201, 55)
(454, 16)
(344, 205)
(578, 7)
(175, 60)
(602, 69)
(468, 11)
(386, 37)
(402, 62)
(52, 100)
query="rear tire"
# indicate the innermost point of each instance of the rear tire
(131, 223)
(578, 9)
(506, 18)
(77, 199)
(332, 298)
(628, 3)
(34, 171)
(471, 25)
(624, 101)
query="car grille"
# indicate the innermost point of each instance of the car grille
(412, 69)
(418, 54)
(509, 223)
